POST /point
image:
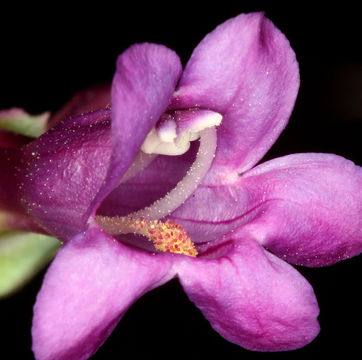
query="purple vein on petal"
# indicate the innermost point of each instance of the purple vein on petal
(228, 221)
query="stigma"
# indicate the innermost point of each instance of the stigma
(166, 236)
(176, 129)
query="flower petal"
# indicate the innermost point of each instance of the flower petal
(142, 87)
(12, 215)
(8, 162)
(92, 99)
(92, 282)
(253, 298)
(312, 206)
(245, 70)
(305, 208)
(60, 173)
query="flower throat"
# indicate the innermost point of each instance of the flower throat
(167, 236)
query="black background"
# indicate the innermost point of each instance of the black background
(48, 53)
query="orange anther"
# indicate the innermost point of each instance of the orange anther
(166, 236)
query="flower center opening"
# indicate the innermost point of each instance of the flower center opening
(166, 235)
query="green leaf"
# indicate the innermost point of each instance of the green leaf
(20, 122)
(22, 255)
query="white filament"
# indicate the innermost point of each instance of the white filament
(184, 189)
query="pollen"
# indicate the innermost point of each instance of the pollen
(166, 236)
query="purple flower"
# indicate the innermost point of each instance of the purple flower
(86, 180)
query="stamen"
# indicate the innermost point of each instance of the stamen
(183, 190)
(166, 236)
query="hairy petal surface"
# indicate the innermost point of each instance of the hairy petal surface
(60, 173)
(86, 291)
(252, 298)
(142, 87)
(254, 83)
(311, 207)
